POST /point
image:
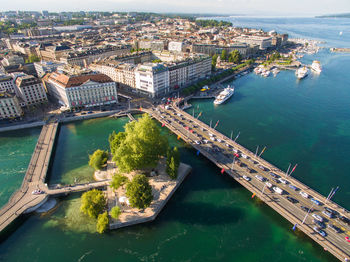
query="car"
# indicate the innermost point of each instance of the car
(205, 141)
(320, 224)
(260, 178)
(212, 138)
(303, 194)
(315, 201)
(334, 228)
(90, 112)
(197, 142)
(235, 150)
(83, 113)
(283, 181)
(246, 178)
(320, 231)
(293, 187)
(277, 190)
(273, 175)
(268, 184)
(335, 213)
(219, 140)
(210, 134)
(304, 208)
(344, 219)
(241, 164)
(292, 200)
(252, 161)
(37, 192)
(227, 145)
(275, 180)
(317, 217)
(328, 214)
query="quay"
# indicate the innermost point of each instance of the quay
(220, 152)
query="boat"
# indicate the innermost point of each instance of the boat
(266, 73)
(302, 72)
(224, 95)
(316, 66)
(275, 71)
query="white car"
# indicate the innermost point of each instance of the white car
(277, 190)
(219, 140)
(317, 217)
(303, 194)
(283, 181)
(212, 138)
(197, 142)
(268, 184)
(244, 156)
(246, 178)
(260, 178)
(205, 141)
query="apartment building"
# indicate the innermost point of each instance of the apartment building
(263, 42)
(152, 79)
(87, 57)
(7, 84)
(30, 89)
(44, 67)
(81, 90)
(9, 106)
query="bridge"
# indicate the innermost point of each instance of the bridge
(220, 150)
(25, 199)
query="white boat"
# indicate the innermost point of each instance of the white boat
(224, 95)
(302, 72)
(275, 71)
(266, 73)
(316, 66)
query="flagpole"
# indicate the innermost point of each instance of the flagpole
(231, 134)
(293, 169)
(307, 214)
(256, 151)
(210, 122)
(288, 169)
(237, 137)
(262, 151)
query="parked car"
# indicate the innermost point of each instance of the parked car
(246, 178)
(292, 200)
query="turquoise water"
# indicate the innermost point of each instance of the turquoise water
(211, 217)
(16, 148)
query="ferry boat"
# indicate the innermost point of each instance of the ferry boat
(224, 95)
(302, 72)
(316, 66)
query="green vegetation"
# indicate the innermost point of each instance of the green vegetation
(139, 192)
(196, 87)
(98, 159)
(32, 59)
(140, 146)
(223, 55)
(156, 61)
(10, 28)
(133, 50)
(93, 203)
(115, 212)
(102, 222)
(212, 23)
(118, 180)
(235, 57)
(173, 162)
(214, 59)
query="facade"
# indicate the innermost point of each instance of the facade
(9, 106)
(176, 46)
(152, 80)
(264, 42)
(12, 60)
(82, 90)
(30, 90)
(7, 84)
(87, 57)
(244, 49)
(44, 67)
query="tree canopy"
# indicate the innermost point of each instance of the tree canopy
(235, 57)
(118, 180)
(139, 192)
(115, 212)
(173, 162)
(93, 203)
(140, 146)
(102, 222)
(98, 159)
(213, 61)
(223, 56)
(212, 23)
(32, 59)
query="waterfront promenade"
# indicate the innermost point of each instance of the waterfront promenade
(220, 152)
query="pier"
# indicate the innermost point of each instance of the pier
(220, 152)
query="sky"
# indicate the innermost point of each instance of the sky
(244, 7)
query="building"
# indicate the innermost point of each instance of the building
(263, 42)
(87, 57)
(30, 90)
(9, 106)
(244, 49)
(81, 90)
(44, 67)
(152, 80)
(7, 84)
(176, 46)
(13, 60)
(50, 52)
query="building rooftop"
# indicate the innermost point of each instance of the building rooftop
(72, 81)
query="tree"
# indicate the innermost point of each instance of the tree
(102, 222)
(213, 61)
(235, 57)
(173, 162)
(140, 147)
(98, 159)
(32, 59)
(139, 192)
(115, 140)
(115, 212)
(223, 56)
(92, 203)
(118, 180)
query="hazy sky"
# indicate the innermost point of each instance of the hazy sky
(252, 7)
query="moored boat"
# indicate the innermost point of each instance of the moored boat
(224, 95)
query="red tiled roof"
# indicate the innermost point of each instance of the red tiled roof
(71, 81)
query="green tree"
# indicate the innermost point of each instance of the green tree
(235, 57)
(141, 146)
(115, 212)
(139, 192)
(92, 203)
(32, 59)
(102, 222)
(173, 162)
(98, 159)
(115, 140)
(213, 61)
(223, 56)
(118, 180)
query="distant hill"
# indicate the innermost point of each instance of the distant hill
(345, 15)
